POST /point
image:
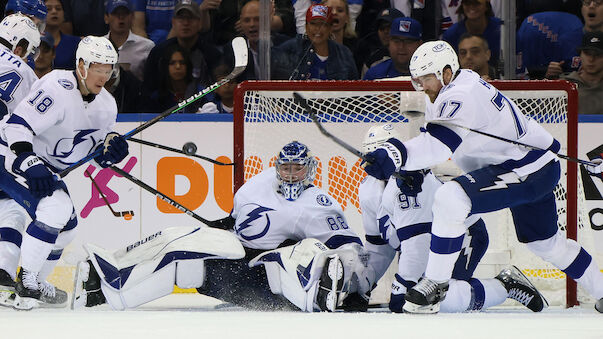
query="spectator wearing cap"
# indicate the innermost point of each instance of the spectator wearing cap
(474, 54)
(589, 77)
(153, 18)
(203, 54)
(34, 9)
(133, 49)
(300, 7)
(374, 47)
(405, 38)
(476, 17)
(83, 18)
(592, 12)
(44, 61)
(314, 56)
(65, 45)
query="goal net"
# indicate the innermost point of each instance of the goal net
(267, 118)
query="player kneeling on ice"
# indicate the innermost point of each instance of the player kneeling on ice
(397, 217)
(299, 252)
(499, 174)
(66, 116)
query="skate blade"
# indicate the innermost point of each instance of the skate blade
(25, 303)
(413, 308)
(7, 297)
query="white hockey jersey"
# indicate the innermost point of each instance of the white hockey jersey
(16, 78)
(62, 127)
(265, 219)
(471, 102)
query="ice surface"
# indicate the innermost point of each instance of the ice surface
(194, 316)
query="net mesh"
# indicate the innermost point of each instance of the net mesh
(272, 118)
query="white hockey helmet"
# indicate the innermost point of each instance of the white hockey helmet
(95, 49)
(295, 152)
(377, 135)
(431, 58)
(17, 27)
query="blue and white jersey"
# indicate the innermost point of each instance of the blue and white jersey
(62, 127)
(16, 77)
(471, 102)
(265, 219)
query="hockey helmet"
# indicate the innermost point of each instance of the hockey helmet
(377, 135)
(432, 57)
(17, 27)
(295, 169)
(95, 49)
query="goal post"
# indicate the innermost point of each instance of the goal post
(267, 117)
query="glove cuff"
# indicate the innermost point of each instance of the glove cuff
(396, 151)
(25, 161)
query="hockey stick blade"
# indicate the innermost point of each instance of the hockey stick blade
(239, 47)
(116, 214)
(175, 150)
(517, 143)
(220, 223)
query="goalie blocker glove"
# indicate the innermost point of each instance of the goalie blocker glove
(39, 178)
(385, 160)
(115, 150)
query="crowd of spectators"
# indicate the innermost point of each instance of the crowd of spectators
(169, 50)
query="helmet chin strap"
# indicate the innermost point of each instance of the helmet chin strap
(83, 81)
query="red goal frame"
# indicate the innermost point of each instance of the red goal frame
(515, 85)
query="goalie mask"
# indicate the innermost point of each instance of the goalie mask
(377, 135)
(295, 170)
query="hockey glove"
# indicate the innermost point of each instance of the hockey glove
(39, 178)
(595, 170)
(411, 182)
(399, 288)
(115, 150)
(386, 159)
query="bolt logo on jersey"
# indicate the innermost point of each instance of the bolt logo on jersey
(66, 84)
(257, 216)
(65, 146)
(323, 200)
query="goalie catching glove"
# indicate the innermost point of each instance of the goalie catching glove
(115, 149)
(39, 178)
(385, 160)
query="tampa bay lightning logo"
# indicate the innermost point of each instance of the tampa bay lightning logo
(258, 218)
(65, 146)
(323, 200)
(66, 84)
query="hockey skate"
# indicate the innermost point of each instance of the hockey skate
(52, 297)
(7, 289)
(27, 294)
(87, 287)
(521, 289)
(425, 297)
(330, 285)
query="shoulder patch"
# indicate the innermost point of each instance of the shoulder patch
(323, 200)
(67, 84)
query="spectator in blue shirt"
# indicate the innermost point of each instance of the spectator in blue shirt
(314, 56)
(405, 37)
(153, 18)
(477, 17)
(65, 45)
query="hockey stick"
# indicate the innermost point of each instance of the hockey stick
(562, 156)
(225, 223)
(175, 150)
(302, 101)
(126, 214)
(239, 46)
